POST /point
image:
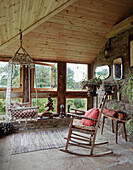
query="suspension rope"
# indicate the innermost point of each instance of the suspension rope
(36, 86)
(21, 38)
(29, 81)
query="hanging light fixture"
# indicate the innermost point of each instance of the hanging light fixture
(107, 49)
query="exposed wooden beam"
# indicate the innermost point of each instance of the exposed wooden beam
(120, 27)
(39, 22)
(5, 58)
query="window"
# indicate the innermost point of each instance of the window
(78, 103)
(41, 104)
(3, 103)
(16, 76)
(75, 74)
(102, 72)
(46, 76)
(4, 74)
(2, 108)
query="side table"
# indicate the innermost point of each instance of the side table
(117, 121)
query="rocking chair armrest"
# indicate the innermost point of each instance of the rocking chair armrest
(78, 110)
(23, 108)
(81, 117)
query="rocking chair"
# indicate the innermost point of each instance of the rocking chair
(88, 125)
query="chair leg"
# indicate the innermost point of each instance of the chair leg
(92, 145)
(116, 130)
(124, 131)
(112, 126)
(103, 125)
(69, 134)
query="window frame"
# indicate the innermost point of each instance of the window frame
(16, 89)
(32, 80)
(74, 97)
(109, 71)
(72, 91)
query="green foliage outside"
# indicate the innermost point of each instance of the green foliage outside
(75, 74)
(54, 76)
(3, 103)
(4, 72)
(102, 74)
(41, 104)
(77, 103)
(43, 76)
(2, 108)
(70, 79)
(16, 77)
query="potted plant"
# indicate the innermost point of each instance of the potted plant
(110, 88)
(91, 85)
(127, 89)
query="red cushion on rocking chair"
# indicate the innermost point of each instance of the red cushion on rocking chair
(93, 114)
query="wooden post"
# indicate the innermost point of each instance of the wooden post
(90, 98)
(61, 85)
(26, 85)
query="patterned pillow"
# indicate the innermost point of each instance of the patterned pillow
(93, 114)
(111, 112)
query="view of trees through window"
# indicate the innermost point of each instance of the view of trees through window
(41, 104)
(75, 74)
(15, 76)
(3, 103)
(46, 75)
(78, 103)
(102, 71)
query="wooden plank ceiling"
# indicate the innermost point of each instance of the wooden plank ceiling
(75, 34)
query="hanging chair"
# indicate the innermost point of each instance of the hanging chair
(15, 110)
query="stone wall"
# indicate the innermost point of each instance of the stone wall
(120, 48)
(40, 124)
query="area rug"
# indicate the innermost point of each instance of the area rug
(35, 141)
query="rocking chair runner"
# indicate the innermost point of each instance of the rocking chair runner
(80, 140)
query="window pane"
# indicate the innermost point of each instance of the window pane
(3, 103)
(75, 74)
(46, 75)
(2, 108)
(41, 104)
(102, 71)
(16, 76)
(78, 103)
(4, 74)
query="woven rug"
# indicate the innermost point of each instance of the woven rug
(35, 141)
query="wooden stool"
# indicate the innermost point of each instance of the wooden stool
(117, 121)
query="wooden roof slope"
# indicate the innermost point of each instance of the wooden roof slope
(59, 30)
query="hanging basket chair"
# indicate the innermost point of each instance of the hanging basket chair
(20, 110)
